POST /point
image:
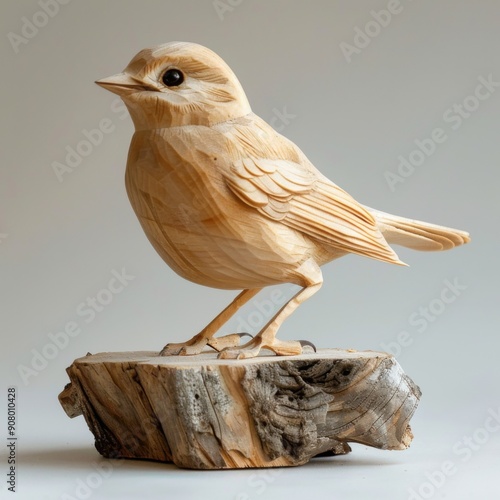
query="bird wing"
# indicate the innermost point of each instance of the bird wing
(298, 195)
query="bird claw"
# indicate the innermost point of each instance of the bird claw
(227, 341)
(242, 334)
(304, 343)
(228, 346)
(197, 344)
(252, 348)
(229, 353)
(171, 350)
(189, 348)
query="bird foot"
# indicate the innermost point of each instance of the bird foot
(198, 343)
(227, 341)
(252, 348)
(189, 348)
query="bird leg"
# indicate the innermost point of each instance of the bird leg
(206, 336)
(266, 338)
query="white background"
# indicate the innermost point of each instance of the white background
(61, 241)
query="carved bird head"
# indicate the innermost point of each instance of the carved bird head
(178, 83)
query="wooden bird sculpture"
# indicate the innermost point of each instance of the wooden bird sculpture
(229, 203)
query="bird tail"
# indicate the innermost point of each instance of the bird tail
(416, 234)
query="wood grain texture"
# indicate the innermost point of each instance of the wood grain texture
(228, 202)
(206, 413)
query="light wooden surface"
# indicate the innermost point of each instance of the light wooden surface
(229, 203)
(201, 412)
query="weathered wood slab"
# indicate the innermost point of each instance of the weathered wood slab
(201, 412)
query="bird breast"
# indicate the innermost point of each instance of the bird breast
(175, 184)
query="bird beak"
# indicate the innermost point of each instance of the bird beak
(121, 83)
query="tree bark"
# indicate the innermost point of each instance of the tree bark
(201, 412)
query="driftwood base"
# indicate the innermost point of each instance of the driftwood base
(204, 413)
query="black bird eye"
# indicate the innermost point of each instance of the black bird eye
(172, 78)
